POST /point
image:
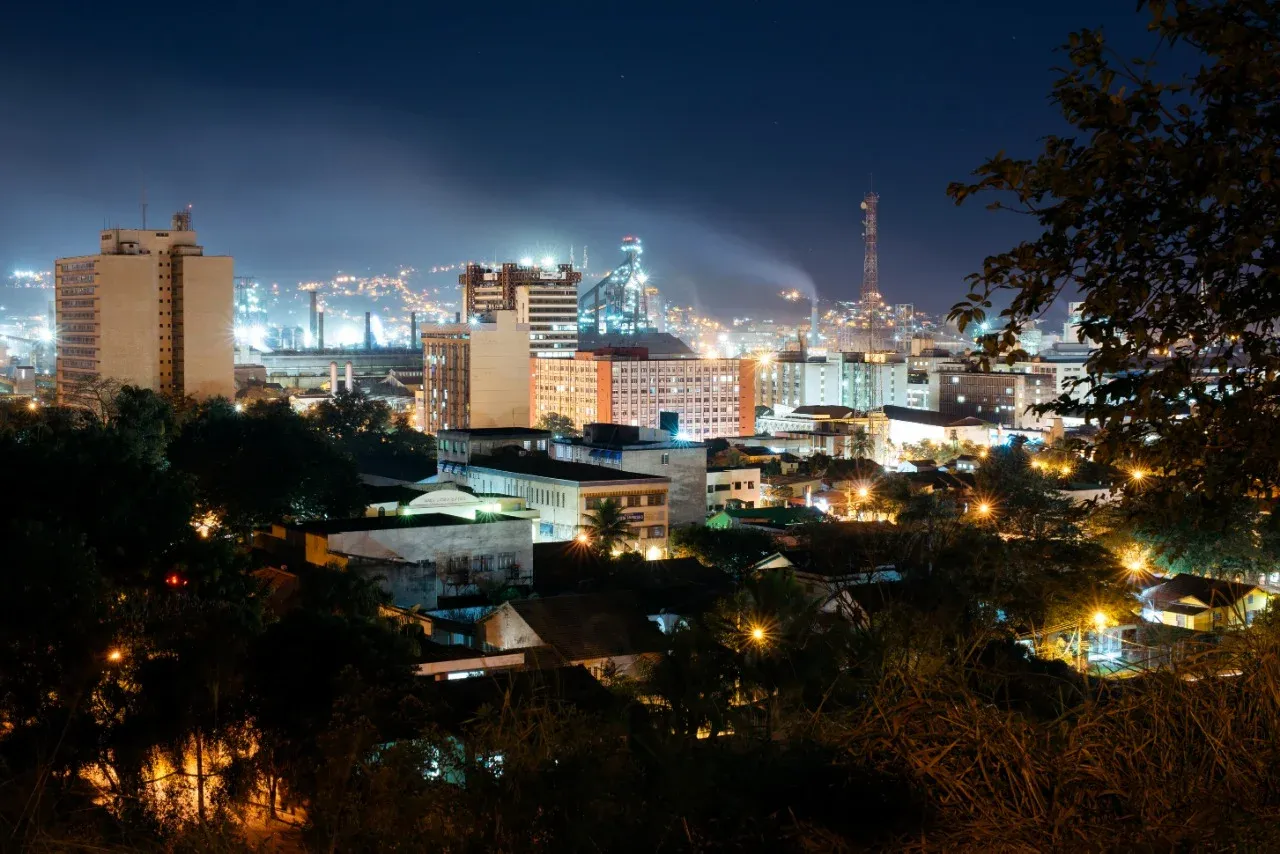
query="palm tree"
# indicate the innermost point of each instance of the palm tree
(607, 529)
(862, 445)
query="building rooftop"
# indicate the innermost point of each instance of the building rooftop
(929, 417)
(659, 344)
(592, 625)
(828, 411)
(771, 516)
(384, 523)
(539, 465)
(500, 432)
(1214, 592)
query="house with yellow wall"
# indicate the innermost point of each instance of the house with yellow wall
(1203, 604)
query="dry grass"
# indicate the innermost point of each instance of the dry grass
(1186, 760)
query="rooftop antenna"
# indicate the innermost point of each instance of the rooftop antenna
(144, 207)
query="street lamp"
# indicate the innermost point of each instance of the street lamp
(984, 509)
(1099, 620)
(1137, 474)
(115, 656)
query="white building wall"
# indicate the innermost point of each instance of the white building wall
(742, 484)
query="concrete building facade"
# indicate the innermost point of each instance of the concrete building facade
(150, 309)
(545, 297)
(726, 484)
(471, 374)
(645, 451)
(712, 398)
(420, 558)
(563, 492)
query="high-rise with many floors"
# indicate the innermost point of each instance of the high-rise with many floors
(151, 310)
(712, 398)
(544, 296)
(474, 373)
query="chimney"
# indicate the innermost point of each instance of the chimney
(368, 330)
(351, 377)
(314, 307)
(813, 320)
(413, 329)
(333, 379)
(320, 329)
(457, 317)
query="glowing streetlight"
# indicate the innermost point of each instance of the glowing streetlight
(1137, 474)
(863, 492)
(239, 407)
(984, 509)
(33, 406)
(115, 656)
(757, 634)
(1099, 620)
(583, 538)
(1066, 471)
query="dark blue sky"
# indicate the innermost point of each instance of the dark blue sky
(736, 137)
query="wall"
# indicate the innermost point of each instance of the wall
(743, 484)
(505, 629)
(499, 384)
(432, 542)
(128, 325)
(686, 467)
(207, 321)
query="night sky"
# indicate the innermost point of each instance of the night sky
(735, 138)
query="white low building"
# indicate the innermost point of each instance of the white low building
(732, 484)
(562, 493)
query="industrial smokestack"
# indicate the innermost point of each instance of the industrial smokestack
(368, 330)
(320, 329)
(333, 379)
(314, 307)
(813, 321)
(351, 377)
(413, 329)
(457, 317)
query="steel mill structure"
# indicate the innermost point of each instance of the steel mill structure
(619, 303)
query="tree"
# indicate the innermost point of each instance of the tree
(351, 415)
(1160, 210)
(263, 465)
(862, 445)
(560, 425)
(729, 549)
(607, 527)
(775, 495)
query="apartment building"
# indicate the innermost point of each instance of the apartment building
(149, 309)
(707, 398)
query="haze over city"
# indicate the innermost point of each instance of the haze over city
(591, 427)
(736, 139)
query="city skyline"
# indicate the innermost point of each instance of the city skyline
(738, 188)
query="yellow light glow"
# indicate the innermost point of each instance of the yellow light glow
(33, 406)
(863, 492)
(1137, 474)
(757, 634)
(115, 655)
(984, 508)
(654, 553)
(583, 538)
(1036, 464)
(1100, 620)
(1066, 471)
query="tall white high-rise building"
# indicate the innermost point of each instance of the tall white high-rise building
(151, 310)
